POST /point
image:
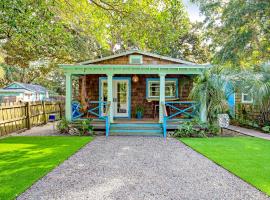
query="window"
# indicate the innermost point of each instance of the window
(171, 88)
(135, 59)
(247, 98)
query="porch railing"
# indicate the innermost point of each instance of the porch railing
(97, 111)
(181, 109)
(107, 118)
(165, 116)
(97, 108)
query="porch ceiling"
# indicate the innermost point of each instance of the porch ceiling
(134, 69)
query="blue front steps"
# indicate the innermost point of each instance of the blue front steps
(136, 129)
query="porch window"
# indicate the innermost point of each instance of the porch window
(247, 98)
(171, 88)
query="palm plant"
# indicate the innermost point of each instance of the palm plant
(214, 86)
(210, 88)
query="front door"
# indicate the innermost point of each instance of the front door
(121, 98)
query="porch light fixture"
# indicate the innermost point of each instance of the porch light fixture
(135, 78)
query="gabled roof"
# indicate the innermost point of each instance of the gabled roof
(30, 87)
(137, 52)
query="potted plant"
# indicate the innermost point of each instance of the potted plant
(139, 111)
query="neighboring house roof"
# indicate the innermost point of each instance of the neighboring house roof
(138, 52)
(15, 91)
(31, 87)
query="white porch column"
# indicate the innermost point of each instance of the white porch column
(110, 95)
(203, 109)
(161, 95)
(68, 109)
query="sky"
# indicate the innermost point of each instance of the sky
(193, 11)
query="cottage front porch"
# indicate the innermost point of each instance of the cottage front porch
(134, 84)
(113, 99)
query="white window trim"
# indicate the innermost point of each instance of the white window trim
(243, 99)
(156, 81)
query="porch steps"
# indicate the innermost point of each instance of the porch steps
(136, 129)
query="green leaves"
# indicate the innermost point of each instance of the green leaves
(239, 31)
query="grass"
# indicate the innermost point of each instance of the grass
(246, 157)
(24, 160)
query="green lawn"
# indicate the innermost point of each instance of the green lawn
(24, 160)
(246, 157)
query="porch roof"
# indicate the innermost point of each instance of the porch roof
(134, 69)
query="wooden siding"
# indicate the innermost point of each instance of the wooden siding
(124, 60)
(245, 110)
(138, 90)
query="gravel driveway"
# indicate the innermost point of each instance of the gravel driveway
(139, 168)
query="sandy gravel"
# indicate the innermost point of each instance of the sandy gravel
(137, 168)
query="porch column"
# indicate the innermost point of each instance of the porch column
(68, 109)
(110, 95)
(161, 96)
(203, 109)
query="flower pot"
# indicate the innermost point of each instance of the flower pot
(139, 115)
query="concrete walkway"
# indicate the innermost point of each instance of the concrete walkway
(48, 129)
(137, 168)
(249, 132)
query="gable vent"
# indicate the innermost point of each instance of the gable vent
(135, 59)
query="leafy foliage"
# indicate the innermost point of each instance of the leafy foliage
(80, 127)
(59, 31)
(210, 89)
(195, 128)
(238, 31)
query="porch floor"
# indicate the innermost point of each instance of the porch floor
(136, 121)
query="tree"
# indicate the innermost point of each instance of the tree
(238, 31)
(60, 31)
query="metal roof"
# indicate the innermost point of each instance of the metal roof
(27, 86)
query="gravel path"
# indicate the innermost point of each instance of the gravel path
(138, 168)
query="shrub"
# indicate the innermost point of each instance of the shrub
(196, 128)
(84, 127)
(266, 129)
(80, 127)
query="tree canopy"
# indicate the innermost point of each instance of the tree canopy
(59, 31)
(238, 31)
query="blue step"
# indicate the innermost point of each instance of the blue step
(136, 129)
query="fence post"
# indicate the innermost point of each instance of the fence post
(44, 111)
(60, 109)
(28, 115)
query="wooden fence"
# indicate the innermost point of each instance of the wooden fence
(16, 117)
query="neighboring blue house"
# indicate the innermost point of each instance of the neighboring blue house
(23, 92)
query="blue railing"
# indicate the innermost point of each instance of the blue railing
(107, 118)
(97, 109)
(180, 109)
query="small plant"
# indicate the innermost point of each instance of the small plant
(139, 111)
(195, 128)
(63, 126)
(84, 127)
(266, 129)
(80, 127)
